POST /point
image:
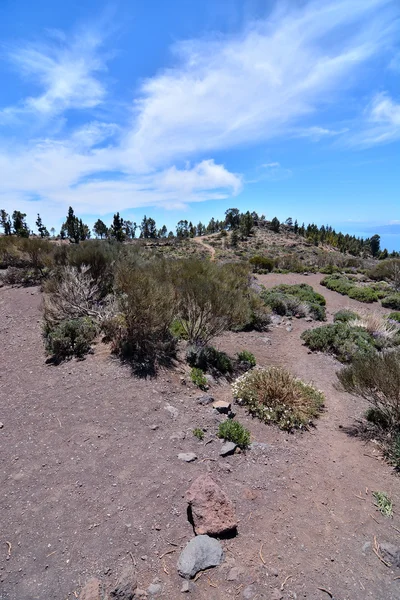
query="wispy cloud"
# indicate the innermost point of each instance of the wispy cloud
(381, 123)
(66, 72)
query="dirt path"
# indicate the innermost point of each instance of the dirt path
(89, 473)
(208, 247)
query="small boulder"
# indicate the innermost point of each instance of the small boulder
(390, 553)
(174, 412)
(205, 399)
(227, 449)
(126, 585)
(200, 553)
(154, 589)
(212, 511)
(187, 456)
(93, 590)
(222, 407)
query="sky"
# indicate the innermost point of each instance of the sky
(183, 109)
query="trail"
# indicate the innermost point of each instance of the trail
(208, 247)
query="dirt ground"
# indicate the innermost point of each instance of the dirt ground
(90, 477)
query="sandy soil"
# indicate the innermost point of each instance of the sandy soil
(89, 474)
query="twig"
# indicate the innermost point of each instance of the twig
(168, 552)
(9, 548)
(286, 580)
(165, 568)
(59, 421)
(260, 553)
(375, 457)
(133, 559)
(376, 520)
(398, 577)
(326, 592)
(51, 553)
(204, 459)
(198, 576)
(360, 497)
(376, 551)
(172, 543)
(237, 590)
(395, 528)
(214, 585)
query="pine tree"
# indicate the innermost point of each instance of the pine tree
(5, 222)
(41, 228)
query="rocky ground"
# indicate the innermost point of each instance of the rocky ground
(92, 484)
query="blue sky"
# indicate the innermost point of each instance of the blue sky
(182, 109)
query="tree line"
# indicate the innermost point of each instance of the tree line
(240, 225)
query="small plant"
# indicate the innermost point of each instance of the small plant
(384, 503)
(70, 338)
(392, 302)
(247, 357)
(199, 433)
(198, 378)
(273, 395)
(394, 316)
(298, 300)
(344, 315)
(209, 359)
(233, 431)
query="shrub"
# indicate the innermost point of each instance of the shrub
(344, 315)
(199, 433)
(209, 298)
(70, 338)
(383, 503)
(377, 325)
(275, 396)
(295, 300)
(388, 270)
(209, 359)
(377, 379)
(261, 263)
(337, 283)
(339, 339)
(198, 378)
(247, 357)
(233, 431)
(363, 294)
(392, 302)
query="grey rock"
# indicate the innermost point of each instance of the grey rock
(200, 553)
(227, 449)
(185, 587)
(390, 553)
(234, 574)
(126, 588)
(289, 328)
(172, 410)
(366, 546)
(222, 407)
(1, 425)
(249, 592)
(205, 399)
(154, 589)
(187, 456)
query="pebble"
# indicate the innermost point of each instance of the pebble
(187, 456)
(227, 449)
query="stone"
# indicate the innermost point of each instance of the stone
(172, 410)
(154, 589)
(93, 590)
(1, 425)
(185, 587)
(222, 407)
(205, 399)
(227, 449)
(261, 446)
(390, 553)
(187, 456)
(234, 574)
(212, 511)
(126, 585)
(202, 552)
(289, 328)
(249, 592)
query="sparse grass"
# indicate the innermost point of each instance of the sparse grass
(198, 378)
(233, 431)
(247, 357)
(384, 503)
(377, 325)
(198, 433)
(275, 396)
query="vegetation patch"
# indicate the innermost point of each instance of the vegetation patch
(247, 357)
(198, 378)
(209, 359)
(344, 315)
(392, 301)
(383, 503)
(299, 300)
(346, 286)
(273, 395)
(70, 338)
(341, 340)
(233, 431)
(198, 433)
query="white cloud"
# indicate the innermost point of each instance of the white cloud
(381, 123)
(66, 73)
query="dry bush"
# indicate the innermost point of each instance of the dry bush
(275, 396)
(377, 325)
(377, 379)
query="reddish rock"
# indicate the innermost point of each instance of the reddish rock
(93, 590)
(213, 512)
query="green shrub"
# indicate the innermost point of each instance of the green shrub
(363, 294)
(344, 315)
(199, 433)
(339, 339)
(209, 359)
(392, 302)
(233, 431)
(261, 263)
(247, 357)
(275, 396)
(337, 283)
(198, 378)
(329, 269)
(297, 299)
(177, 330)
(394, 316)
(70, 338)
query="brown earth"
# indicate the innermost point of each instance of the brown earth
(90, 477)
